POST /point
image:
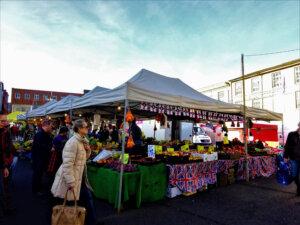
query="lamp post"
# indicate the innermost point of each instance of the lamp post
(245, 123)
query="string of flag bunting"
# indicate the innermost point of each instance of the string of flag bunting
(192, 113)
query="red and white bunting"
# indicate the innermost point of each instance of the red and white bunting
(153, 107)
(169, 110)
(204, 115)
(177, 111)
(185, 112)
(161, 108)
(199, 115)
(209, 115)
(192, 113)
(215, 115)
(144, 106)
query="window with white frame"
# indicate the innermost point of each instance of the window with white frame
(238, 88)
(255, 84)
(54, 97)
(221, 95)
(27, 96)
(297, 99)
(276, 79)
(45, 97)
(256, 103)
(36, 97)
(297, 74)
(17, 95)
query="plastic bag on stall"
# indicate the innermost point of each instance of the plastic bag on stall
(103, 155)
(284, 175)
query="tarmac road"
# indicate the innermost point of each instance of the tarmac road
(261, 202)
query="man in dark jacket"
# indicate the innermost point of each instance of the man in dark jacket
(136, 133)
(292, 152)
(42, 145)
(5, 154)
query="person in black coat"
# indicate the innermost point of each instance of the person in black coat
(136, 133)
(41, 149)
(115, 135)
(292, 152)
(5, 157)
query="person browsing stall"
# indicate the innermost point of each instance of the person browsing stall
(72, 174)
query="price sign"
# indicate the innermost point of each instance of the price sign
(200, 148)
(151, 151)
(158, 149)
(225, 140)
(185, 148)
(126, 158)
(170, 149)
(211, 148)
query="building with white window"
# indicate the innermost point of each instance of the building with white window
(275, 88)
(26, 99)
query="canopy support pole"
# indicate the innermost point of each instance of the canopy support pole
(245, 122)
(122, 159)
(71, 111)
(282, 130)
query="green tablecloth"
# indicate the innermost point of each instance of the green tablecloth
(105, 183)
(154, 182)
(147, 185)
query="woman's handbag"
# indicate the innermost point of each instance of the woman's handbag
(68, 215)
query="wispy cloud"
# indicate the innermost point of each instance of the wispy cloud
(105, 43)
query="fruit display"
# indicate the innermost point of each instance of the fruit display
(17, 145)
(176, 157)
(145, 161)
(115, 165)
(195, 158)
(96, 145)
(28, 145)
(257, 152)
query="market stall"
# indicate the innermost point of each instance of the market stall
(13, 117)
(148, 95)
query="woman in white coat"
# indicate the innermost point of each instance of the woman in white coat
(72, 174)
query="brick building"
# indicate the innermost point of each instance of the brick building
(25, 99)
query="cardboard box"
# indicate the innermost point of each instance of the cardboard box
(231, 171)
(222, 179)
(231, 179)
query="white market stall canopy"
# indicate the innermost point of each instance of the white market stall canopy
(22, 116)
(68, 104)
(147, 86)
(65, 103)
(40, 111)
(51, 106)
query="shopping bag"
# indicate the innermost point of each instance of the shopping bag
(284, 173)
(68, 215)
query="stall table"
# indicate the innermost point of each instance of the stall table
(154, 182)
(147, 185)
(191, 177)
(105, 183)
(264, 166)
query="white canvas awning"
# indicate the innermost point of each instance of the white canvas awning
(40, 111)
(147, 86)
(64, 104)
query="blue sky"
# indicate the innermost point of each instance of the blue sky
(71, 46)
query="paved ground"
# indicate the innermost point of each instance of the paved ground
(261, 201)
